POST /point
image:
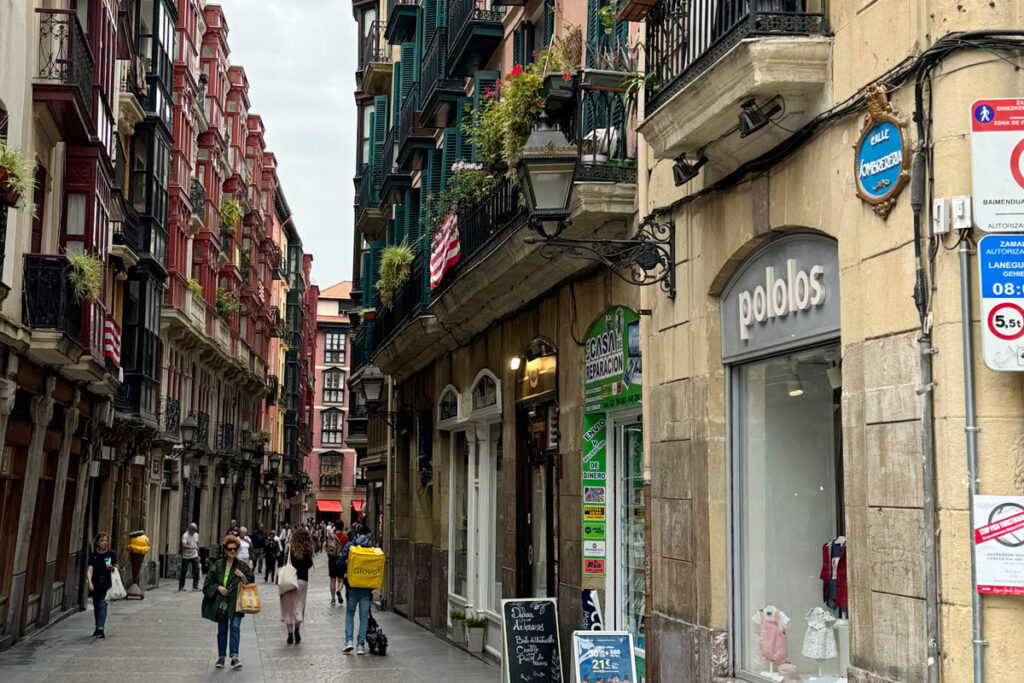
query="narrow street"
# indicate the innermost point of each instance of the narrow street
(163, 638)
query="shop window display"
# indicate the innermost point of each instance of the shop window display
(792, 554)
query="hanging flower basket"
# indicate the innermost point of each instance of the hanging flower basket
(17, 177)
(8, 194)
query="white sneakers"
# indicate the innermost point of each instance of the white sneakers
(360, 650)
(348, 647)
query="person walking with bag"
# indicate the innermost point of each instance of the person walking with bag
(332, 546)
(356, 597)
(271, 552)
(99, 576)
(293, 600)
(220, 595)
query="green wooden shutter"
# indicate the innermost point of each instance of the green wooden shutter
(410, 70)
(482, 80)
(426, 191)
(528, 46)
(375, 251)
(518, 45)
(429, 20)
(465, 107)
(364, 278)
(399, 231)
(549, 22)
(396, 92)
(380, 133)
(410, 229)
(594, 28)
(449, 154)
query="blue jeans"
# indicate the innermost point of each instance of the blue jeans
(357, 597)
(222, 636)
(99, 607)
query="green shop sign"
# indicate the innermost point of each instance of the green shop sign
(612, 377)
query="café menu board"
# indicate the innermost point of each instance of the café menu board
(532, 651)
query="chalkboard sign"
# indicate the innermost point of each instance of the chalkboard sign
(532, 651)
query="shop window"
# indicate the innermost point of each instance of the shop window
(789, 509)
(459, 529)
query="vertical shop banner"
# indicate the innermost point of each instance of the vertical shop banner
(612, 374)
(603, 656)
(999, 544)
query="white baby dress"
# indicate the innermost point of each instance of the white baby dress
(820, 639)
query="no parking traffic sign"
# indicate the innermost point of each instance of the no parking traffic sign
(997, 164)
(1001, 269)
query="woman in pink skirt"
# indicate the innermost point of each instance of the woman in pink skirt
(293, 603)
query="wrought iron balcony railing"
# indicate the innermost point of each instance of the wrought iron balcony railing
(362, 346)
(49, 299)
(605, 143)
(170, 417)
(407, 118)
(225, 436)
(375, 49)
(409, 299)
(202, 430)
(197, 197)
(474, 32)
(685, 37)
(369, 189)
(64, 56)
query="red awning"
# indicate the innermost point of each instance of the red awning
(328, 505)
(358, 505)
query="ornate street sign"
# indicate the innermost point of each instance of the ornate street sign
(881, 155)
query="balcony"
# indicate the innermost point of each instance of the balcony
(131, 90)
(225, 437)
(358, 422)
(709, 55)
(605, 147)
(414, 141)
(374, 75)
(170, 419)
(197, 198)
(439, 94)
(370, 219)
(330, 480)
(475, 31)
(51, 310)
(394, 180)
(64, 80)
(409, 302)
(202, 439)
(362, 346)
(401, 23)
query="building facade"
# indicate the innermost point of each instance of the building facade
(804, 449)
(332, 467)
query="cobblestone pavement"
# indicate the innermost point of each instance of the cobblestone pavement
(163, 638)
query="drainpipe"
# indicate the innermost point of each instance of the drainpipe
(917, 195)
(971, 433)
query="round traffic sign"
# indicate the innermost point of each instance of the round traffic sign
(1006, 321)
(1015, 163)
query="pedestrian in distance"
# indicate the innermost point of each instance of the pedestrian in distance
(189, 557)
(272, 551)
(293, 603)
(356, 597)
(233, 528)
(245, 547)
(259, 544)
(220, 591)
(332, 546)
(102, 563)
(286, 534)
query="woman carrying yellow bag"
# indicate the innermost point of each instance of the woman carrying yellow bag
(248, 601)
(220, 597)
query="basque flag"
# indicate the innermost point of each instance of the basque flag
(444, 251)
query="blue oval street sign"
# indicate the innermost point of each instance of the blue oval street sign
(881, 155)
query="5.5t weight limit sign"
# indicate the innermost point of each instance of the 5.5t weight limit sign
(1001, 269)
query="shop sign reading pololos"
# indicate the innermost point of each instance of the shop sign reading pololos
(785, 295)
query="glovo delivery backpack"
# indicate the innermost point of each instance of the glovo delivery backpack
(365, 567)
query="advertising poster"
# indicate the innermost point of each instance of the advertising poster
(999, 544)
(605, 656)
(612, 378)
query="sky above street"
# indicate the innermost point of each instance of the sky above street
(300, 58)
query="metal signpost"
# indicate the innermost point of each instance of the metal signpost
(1001, 270)
(997, 174)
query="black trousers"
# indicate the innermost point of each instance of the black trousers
(185, 564)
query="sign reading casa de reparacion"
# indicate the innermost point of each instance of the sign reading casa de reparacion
(881, 155)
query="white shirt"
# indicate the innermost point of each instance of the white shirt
(243, 548)
(190, 545)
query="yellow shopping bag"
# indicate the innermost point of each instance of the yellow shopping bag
(248, 600)
(365, 567)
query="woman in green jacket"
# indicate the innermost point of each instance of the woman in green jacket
(220, 591)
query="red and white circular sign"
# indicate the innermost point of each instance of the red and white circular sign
(1006, 321)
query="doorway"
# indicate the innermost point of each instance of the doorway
(536, 430)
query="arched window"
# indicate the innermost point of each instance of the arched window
(331, 424)
(449, 408)
(485, 396)
(334, 386)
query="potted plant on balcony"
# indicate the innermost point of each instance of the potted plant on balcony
(395, 261)
(475, 629)
(368, 314)
(85, 274)
(230, 215)
(195, 287)
(17, 177)
(458, 625)
(227, 303)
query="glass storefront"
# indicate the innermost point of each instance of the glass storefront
(632, 516)
(791, 582)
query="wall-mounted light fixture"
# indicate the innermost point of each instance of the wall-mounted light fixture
(754, 117)
(683, 171)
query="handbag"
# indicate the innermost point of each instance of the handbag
(117, 591)
(248, 600)
(287, 577)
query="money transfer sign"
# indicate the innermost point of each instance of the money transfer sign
(999, 544)
(1001, 270)
(997, 167)
(603, 656)
(612, 374)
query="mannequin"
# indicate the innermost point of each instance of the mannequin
(833, 574)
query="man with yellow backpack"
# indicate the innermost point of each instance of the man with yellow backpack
(364, 573)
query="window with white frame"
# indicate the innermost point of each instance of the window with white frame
(331, 427)
(334, 347)
(334, 386)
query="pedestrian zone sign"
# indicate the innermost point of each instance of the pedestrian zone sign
(999, 544)
(1001, 270)
(997, 164)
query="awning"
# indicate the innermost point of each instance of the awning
(328, 505)
(358, 505)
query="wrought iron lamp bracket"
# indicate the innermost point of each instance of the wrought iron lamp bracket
(647, 259)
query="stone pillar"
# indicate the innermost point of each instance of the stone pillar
(90, 452)
(70, 423)
(42, 411)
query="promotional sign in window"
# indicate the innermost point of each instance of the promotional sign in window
(997, 174)
(612, 374)
(1001, 270)
(999, 544)
(603, 656)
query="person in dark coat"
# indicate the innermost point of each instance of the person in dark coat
(220, 591)
(102, 564)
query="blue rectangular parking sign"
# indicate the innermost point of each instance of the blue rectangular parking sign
(1001, 275)
(603, 657)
